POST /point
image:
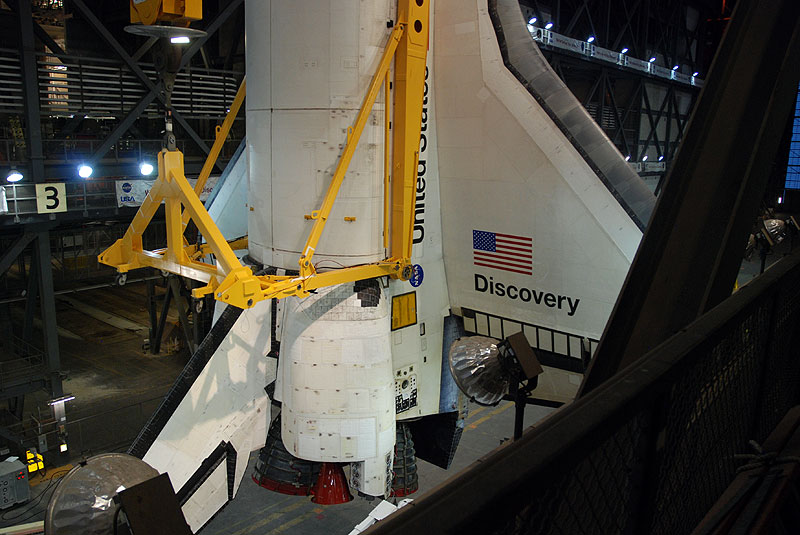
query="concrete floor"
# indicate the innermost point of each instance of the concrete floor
(257, 511)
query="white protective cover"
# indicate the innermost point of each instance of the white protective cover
(309, 63)
(228, 403)
(337, 387)
(506, 168)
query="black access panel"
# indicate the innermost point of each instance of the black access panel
(153, 509)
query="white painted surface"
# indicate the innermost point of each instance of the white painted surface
(310, 63)
(230, 207)
(338, 396)
(226, 403)
(506, 168)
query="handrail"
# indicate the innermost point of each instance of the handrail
(81, 195)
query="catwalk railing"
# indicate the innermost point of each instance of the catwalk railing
(81, 196)
(650, 450)
(110, 430)
(22, 363)
(77, 150)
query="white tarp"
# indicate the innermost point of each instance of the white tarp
(133, 192)
(3, 203)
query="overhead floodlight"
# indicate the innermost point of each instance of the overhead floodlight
(628, 158)
(590, 39)
(532, 20)
(163, 31)
(676, 67)
(14, 176)
(62, 399)
(644, 158)
(548, 25)
(624, 50)
(661, 158)
(180, 40)
(652, 59)
(695, 75)
(484, 368)
(780, 200)
(85, 171)
(146, 169)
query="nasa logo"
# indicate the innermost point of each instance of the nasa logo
(126, 187)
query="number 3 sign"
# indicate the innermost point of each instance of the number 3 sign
(51, 198)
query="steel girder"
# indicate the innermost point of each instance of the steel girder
(689, 257)
(155, 91)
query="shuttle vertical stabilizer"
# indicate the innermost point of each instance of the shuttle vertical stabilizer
(534, 238)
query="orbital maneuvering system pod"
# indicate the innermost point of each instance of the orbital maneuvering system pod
(400, 187)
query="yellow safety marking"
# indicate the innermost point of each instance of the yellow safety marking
(269, 518)
(476, 411)
(495, 412)
(250, 518)
(292, 523)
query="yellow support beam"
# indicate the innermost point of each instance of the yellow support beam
(409, 88)
(174, 189)
(387, 162)
(353, 135)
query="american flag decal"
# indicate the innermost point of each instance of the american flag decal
(502, 251)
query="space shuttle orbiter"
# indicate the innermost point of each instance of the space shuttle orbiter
(510, 211)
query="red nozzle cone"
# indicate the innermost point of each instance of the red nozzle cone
(331, 486)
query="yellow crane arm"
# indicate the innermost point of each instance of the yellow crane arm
(228, 279)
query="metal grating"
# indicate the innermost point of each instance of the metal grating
(709, 419)
(592, 497)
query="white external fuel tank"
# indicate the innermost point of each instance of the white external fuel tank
(309, 63)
